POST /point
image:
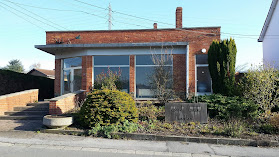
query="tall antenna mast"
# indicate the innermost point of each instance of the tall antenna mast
(109, 20)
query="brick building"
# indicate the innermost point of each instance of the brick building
(81, 55)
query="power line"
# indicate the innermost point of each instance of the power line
(36, 14)
(123, 13)
(30, 16)
(22, 18)
(241, 35)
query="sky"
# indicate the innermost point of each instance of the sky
(24, 22)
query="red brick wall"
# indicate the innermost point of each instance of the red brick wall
(57, 81)
(132, 74)
(9, 101)
(198, 38)
(179, 73)
(65, 103)
(87, 73)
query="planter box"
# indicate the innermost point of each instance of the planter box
(186, 112)
(57, 122)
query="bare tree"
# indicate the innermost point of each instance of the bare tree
(161, 80)
(35, 66)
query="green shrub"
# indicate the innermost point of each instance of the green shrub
(108, 107)
(106, 131)
(221, 64)
(151, 112)
(109, 80)
(224, 107)
(234, 128)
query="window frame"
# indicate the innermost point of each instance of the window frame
(196, 77)
(112, 66)
(135, 84)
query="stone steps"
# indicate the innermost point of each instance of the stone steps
(40, 104)
(26, 113)
(30, 108)
(21, 118)
(32, 111)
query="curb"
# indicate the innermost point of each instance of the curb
(153, 137)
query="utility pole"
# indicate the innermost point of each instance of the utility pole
(109, 20)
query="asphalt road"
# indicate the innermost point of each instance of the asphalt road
(29, 144)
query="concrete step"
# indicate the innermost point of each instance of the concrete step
(31, 108)
(21, 117)
(41, 104)
(26, 113)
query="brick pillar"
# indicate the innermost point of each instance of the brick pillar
(57, 81)
(179, 74)
(87, 73)
(178, 17)
(132, 74)
(192, 73)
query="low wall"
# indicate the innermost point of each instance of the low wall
(9, 101)
(67, 102)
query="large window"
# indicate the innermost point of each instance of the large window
(203, 75)
(145, 68)
(116, 64)
(72, 73)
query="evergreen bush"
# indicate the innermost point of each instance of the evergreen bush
(221, 60)
(108, 107)
(225, 107)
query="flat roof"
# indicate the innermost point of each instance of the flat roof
(54, 48)
(151, 29)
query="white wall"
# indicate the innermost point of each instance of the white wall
(271, 43)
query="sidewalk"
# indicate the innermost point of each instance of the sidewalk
(149, 148)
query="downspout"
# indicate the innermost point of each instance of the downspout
(187, 70)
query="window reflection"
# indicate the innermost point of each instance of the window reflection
(145, 68)
(72, 62)
(116, 64)
(111, 60)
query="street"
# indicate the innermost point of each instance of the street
(28, 144)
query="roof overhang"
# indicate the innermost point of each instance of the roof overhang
(268, 19)
(58, 48)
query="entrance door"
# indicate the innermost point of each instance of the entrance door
(72, 80)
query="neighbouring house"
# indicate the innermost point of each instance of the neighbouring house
(81, 55)
(270, 36)
(42, 72)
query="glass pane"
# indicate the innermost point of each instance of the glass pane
(111, 60)
(77, 79)
(143, 88)
(202, 59)
(203, 80)
(67, 81)
(72, 62)
(124, 78)
(148, 59)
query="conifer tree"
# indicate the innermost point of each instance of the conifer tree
(221, 60)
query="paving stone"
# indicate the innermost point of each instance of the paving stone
(163, 153)
(142, 152)
(90, 149)
(38, 146)
(72, 148)
(182, 154)
(126, 151)
(108, 150)
(200, 155)
(6, 144)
